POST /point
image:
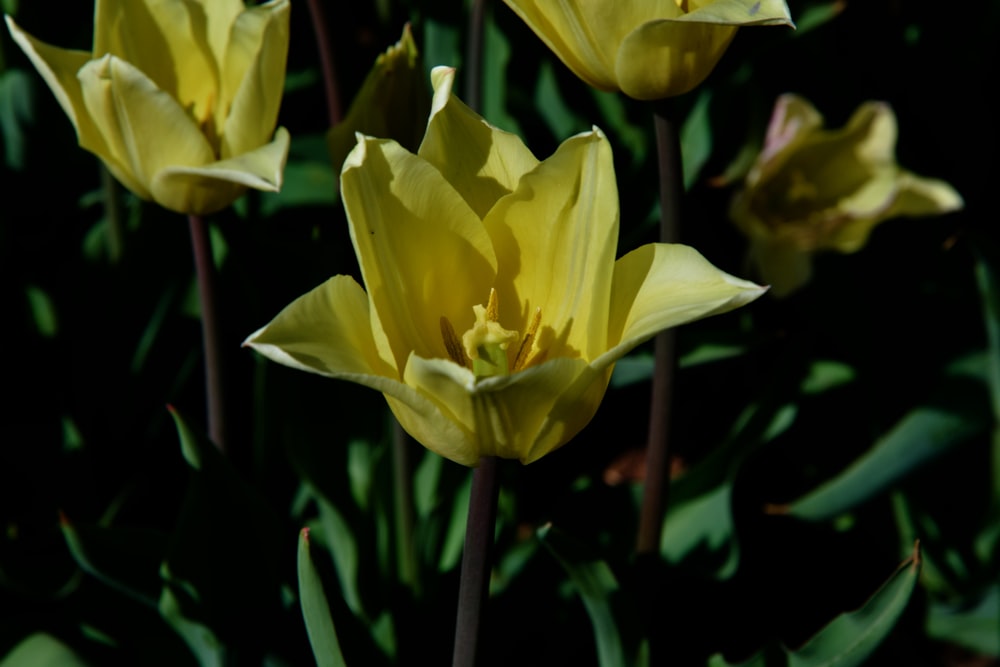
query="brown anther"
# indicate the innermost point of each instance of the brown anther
(529, 338)
(453, 343)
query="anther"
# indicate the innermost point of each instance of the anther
(527, 341)
(493, 307)
(453, 343)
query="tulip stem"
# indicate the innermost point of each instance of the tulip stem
(474, 56)
(476, 560)
(325, 49)
(657, 485)
(114, 232)
(201, 245)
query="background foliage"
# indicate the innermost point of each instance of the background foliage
(816, 437)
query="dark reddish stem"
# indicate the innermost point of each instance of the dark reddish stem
(201, 245)
(657, 485)
(325, 49)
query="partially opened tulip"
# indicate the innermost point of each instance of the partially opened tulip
(647, 49)
(495, 309)
(178, 98)
(813, 189)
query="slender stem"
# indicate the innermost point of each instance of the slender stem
(115, 233)
(406, 562)
(657, 487)
(474, 56)
(201, 245)
(325, 48)
(476, 560)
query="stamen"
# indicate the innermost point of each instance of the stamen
(529, 338)
(453, 343)
(493, 307)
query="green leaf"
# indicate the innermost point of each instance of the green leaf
(850, 638)
(316, 611)
(201, 641)
(702, 529)
(16, 102)
(923, 434)
(551, 106)
(339, 538)
(127, 560)
(696, 138)
(972, 626)
(825, 375)
(41, 650)
(595, 583)
(817, 14)
(43, 311)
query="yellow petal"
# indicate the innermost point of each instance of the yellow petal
(209, 188)
(424, 253)
(59, 68)
(325, 331)
(739, 12)
(667, 58)
(794, 118)
(167, 42)
(490, 162)
(143, 126)
(555, 239)
(659, 286)
(253, 77)
(521, 416)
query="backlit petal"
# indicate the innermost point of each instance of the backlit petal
(490, 161)
(555, 239)
(253, 77)
(659, 286)
(667, 58)
(211, 187)
(424, 253)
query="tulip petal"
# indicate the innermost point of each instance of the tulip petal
(739, 12)
(659, 286)
(667, 57)
(59, 68)
(555, 239)
(253, 77)
(211, 187)
(167, 42)
(128, 109)
(490, 162)
(794, 118)
(424, 253)
(782, 265)
(325, 331)
(522, 416)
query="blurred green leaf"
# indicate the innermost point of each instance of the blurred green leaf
(496, 56)
(126, 559)
(816, 14)
(973, 626)
(339, 539)
(41, 650)
(43, 311)
(16, 109)
(595, 583)
(454, 538)
(306, 183)
(923, 434)
(558, 115)
(702, 529)
(696, 138)
(315, 610)
(201, 641)
(850, 638)
(825, 375)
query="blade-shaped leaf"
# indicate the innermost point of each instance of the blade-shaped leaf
(41, 650)
(596, 583)
(316, 611)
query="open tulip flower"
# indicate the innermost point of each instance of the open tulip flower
(179, 98)
(495, 309)
(812, 189)
(647, 49)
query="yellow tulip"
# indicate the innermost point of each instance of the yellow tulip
(495, 309)
(647, 49)
(812, 189)
(178, 98)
